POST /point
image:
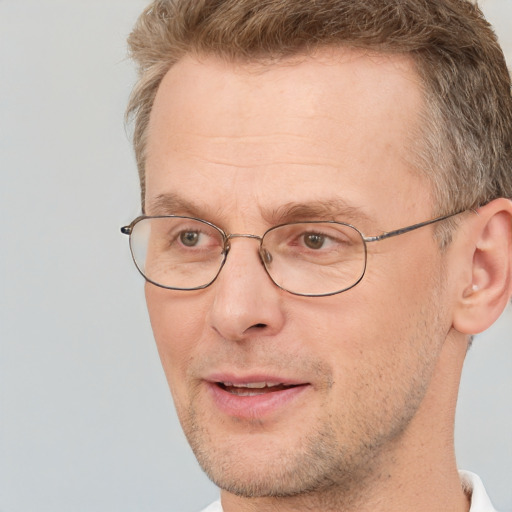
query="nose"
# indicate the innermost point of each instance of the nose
(245, 302)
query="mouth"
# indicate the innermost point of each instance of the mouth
(254, 388)
(255, 397)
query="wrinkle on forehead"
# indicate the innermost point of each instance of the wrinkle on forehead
(234, 92)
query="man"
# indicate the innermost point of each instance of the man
(327, 220)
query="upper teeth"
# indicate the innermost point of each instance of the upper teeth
(254, 385)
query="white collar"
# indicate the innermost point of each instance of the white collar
(474, 487)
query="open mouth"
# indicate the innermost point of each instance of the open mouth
(254, 388)
(255, 397)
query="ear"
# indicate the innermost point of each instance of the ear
(487, 286)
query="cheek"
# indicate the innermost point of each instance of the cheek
(177, 322)
(403, 276)
(385, 323)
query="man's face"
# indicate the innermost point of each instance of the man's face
(280, 394)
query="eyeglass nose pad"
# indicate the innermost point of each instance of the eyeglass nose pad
(266, 257)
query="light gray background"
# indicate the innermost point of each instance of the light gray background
(86, 420)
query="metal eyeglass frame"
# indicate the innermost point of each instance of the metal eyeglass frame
(127, 230)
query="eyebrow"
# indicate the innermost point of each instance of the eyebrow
(329, 209)
(173, 204)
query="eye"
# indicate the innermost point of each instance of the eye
(314, 240)
(189, 238)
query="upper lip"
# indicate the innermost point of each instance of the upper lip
(253, 381)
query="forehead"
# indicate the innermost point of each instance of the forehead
(334, 122)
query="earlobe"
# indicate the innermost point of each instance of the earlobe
(488, 286)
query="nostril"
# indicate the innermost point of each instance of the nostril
(256, 327)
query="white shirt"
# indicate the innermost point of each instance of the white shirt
(471, 484)
(214, 507)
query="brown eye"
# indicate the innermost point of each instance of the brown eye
(314, 241)
(189, 238)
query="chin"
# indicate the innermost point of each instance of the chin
(258, 465)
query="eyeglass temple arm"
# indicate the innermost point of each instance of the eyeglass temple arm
(401, 231)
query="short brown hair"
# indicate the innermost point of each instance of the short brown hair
(465, 145)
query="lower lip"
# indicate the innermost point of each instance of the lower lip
(255, 406)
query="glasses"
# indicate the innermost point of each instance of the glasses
(312, 258)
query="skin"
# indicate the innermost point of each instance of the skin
(372, 427)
